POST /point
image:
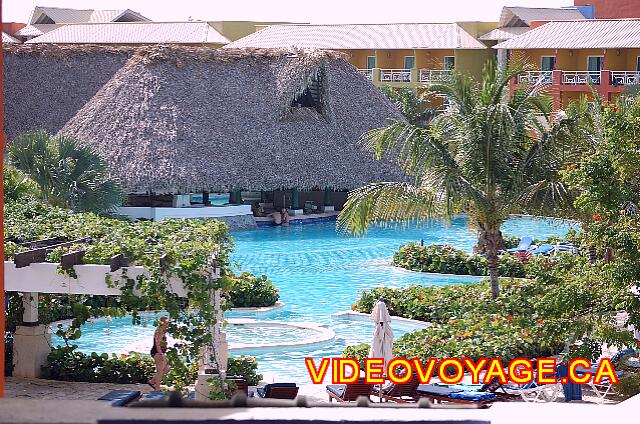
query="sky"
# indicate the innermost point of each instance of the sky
(318, 11)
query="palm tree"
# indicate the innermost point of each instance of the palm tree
(415, 108)
(488, 155)
(67, 173)
(17, 185)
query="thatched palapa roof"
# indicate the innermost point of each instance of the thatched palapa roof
(187, 119)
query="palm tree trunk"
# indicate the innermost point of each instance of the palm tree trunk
(490, 242)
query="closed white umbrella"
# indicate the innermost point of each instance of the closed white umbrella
(382, 343)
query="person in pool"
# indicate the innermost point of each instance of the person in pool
(158, 352)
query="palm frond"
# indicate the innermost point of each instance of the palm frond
(390, 202)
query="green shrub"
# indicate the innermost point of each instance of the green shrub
(67, 364)
(359, 352)
(466, 322)
(246, 366)
(444, 259)
(250, 291)
(629, 385)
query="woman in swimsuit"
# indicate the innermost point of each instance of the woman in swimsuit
(158, 352)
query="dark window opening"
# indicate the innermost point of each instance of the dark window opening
(310, 96)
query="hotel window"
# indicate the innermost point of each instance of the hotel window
(594, 66)
(409, 62)
(449, 63)
(595, 63)
(371, 62)
(547, 63)
(637, 64)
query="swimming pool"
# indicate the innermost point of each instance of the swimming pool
(320, 272)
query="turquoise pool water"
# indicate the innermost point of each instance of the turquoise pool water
(320, 272)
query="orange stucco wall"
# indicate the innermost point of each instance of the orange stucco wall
(612, 9)
(358, 58)
(394, 59)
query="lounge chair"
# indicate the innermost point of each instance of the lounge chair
(278, 391)
(120, 397)
(534, 392)
(400, 393)
(482, 397)
(543, 249)
(239, 383)
(154, 395)
(523, 246)
(349, 392)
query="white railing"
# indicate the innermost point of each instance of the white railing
(580, 77)
(368, 73)
(395, 75)
(536, 77)
(625, 77)
(435, 75)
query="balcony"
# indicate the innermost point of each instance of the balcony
(435, 76)
(536, 77)
(624, 78)
(562, 85)
(406, 77)
(395, 75)
(368, 73)
(581, 77)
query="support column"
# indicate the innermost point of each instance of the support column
(213, 357)
(502, 59)
(556, 89)
(327, 207)
(295, 203)
(205, 198)
(31, 342)
(235, 197)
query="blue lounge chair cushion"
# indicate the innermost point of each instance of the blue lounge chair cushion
(265, 391)
(473, 396)
(433, 389)
(543, 249)
(337, 389)
(523, 246)
(120, 397)
(154, 395)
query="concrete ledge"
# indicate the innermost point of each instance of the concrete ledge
(321, 337)
(254, 312)
(139, 212)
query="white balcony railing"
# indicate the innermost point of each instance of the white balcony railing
(434, 75)
(581, 77)
(625, 77)
(368, 73)
(395, 75)
(535, 77)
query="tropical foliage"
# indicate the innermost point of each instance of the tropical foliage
(17, 185)
(490, 154)
(186, 245)
(68, 364)
(66, 173)
(245, 366)
(449, 260)
(411, 104)
(466, 324)
(250, 291)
